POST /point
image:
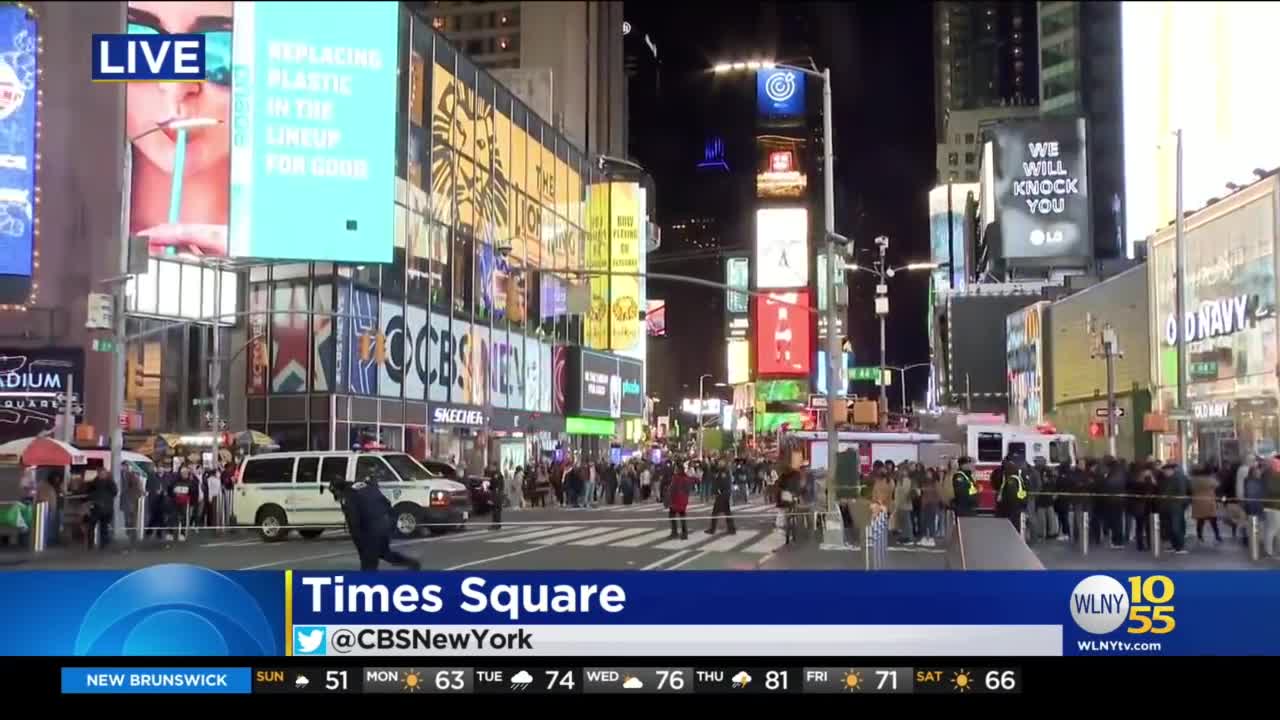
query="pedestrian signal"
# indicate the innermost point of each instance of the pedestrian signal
(1096, 430)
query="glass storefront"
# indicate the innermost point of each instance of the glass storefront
(1230, 328)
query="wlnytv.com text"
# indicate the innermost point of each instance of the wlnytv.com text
(1117, 646)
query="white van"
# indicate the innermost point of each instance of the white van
(277, 492)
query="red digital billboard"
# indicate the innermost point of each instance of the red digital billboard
(782, 334)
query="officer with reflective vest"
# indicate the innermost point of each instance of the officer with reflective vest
(966, 489)
(1011, 492)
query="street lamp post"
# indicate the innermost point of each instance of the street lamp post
(702, 401)
(882, 274)
(829, 217)
(119, 329)
(902, 373)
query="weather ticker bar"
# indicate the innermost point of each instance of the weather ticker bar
(627, 680)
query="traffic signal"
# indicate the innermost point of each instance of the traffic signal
(1097, 430)
(139, 376)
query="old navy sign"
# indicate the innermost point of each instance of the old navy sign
(457, 416)
(1214, 318)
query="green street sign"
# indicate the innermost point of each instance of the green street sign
(104, 345)
(870, 374)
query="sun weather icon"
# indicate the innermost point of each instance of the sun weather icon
(961, 681)
(853, 681)
(412, 681)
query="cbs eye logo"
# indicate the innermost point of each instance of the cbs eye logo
(1101, 605)
(175, 610)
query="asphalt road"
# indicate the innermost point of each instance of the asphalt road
(617, 537)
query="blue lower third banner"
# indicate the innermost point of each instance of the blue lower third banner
(167, 681)
(182, 610)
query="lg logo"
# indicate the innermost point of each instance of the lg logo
(1046, 237)
(780, 86)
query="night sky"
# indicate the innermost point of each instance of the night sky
(880, 55)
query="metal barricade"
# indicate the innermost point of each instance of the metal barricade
(1254, 545)
(39, 526)
(140, 519)
(1023, 529)
(1154, 539)
(1084, 532)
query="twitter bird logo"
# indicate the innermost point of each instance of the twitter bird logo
(309, 640)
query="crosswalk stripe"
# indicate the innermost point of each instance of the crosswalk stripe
(610, 537)
(514, 533)
(694, 540)
(558, 539)
(772, 541)
(729, 542)
(639, 540)
(538, 534)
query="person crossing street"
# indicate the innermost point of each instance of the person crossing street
(721, 484)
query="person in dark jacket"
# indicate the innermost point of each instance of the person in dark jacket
(678, 503)
(1114, 484)
(102, 493)
(1173, 488)
(498, 491)
(1066, 482)
(368, 513)
(1141, 488)
(965, 486)
(722, 487)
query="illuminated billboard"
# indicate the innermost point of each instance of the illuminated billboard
(738, 360)
(1195, 67)
(782, 248)
(655, 317)
(312, 159)
(1024, 352)
(782, 334)
(780, 167)
(1042, 190)
(948, 239)
(780, 94)
(737, 308)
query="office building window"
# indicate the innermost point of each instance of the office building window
(968, 159)
(970, 176)
(968, 138)
(475, 47)
(953, 159)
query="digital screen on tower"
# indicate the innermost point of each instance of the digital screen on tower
(782, 334)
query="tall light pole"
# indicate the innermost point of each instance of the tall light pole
(702, 402)
(1180, 304)
(829, 226)
(902, 373)
(882, 274)
(118, 283)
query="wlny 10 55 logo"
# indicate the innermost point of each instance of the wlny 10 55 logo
(1100, 604)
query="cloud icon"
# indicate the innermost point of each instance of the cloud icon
(522, 677)
(742, 679)
(632, 683)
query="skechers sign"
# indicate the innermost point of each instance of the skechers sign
(1215, 318)
(156, 58)
(780, 93)
(457, 416)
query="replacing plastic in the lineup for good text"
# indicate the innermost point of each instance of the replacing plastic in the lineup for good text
(310, 123)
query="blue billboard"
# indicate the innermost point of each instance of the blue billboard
(18, 38)
(313, 138)
(780, 93)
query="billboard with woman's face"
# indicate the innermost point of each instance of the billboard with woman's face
(180, 179)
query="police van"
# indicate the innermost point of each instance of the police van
(279, 492)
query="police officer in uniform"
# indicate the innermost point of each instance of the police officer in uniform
(497, 493)
(368, 514)
(721, 483)
(1011, 493)
(966, 489)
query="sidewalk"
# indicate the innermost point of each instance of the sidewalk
(12, 558)
(1202, 556)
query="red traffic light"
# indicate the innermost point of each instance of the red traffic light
(1096, 430)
